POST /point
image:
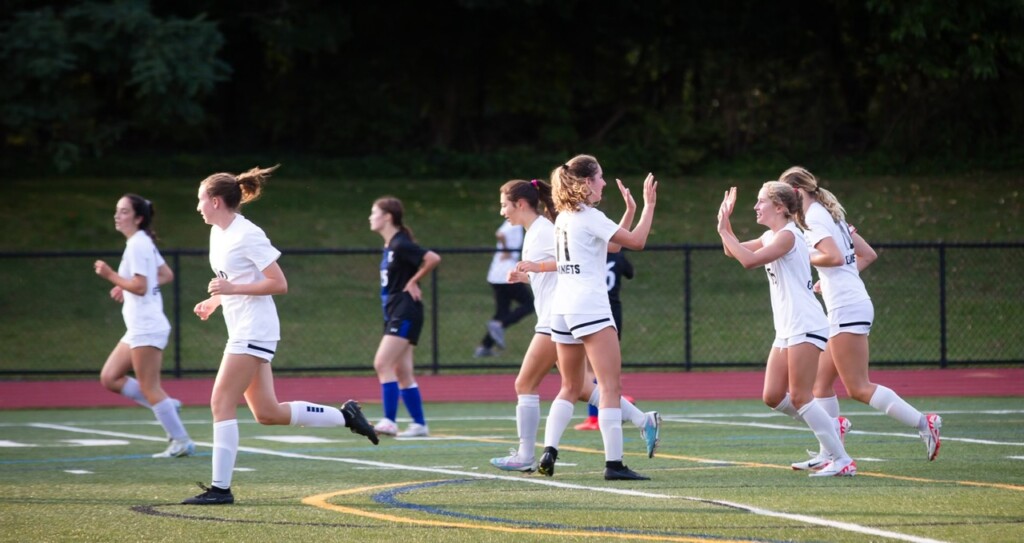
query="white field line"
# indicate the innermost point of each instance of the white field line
(807, 519)
(674, 418)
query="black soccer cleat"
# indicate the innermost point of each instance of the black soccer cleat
(356, 422)
(547, 461)
(622, 473)
(211, 496)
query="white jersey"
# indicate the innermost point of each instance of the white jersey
(238, 254)
(795, 309)
(143, 314)
(538, 246)
(581, 250)
(505, 261)
(840, 285)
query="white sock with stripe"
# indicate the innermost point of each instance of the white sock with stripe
(225, 449)
(610, 421)
(558, 419)
(786, 407)
(629, 411)
(133, 391)
(527, 422)
(888, 402)
(315, 415)
(168, 417)
(824, 428)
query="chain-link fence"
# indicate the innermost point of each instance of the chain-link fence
(688, 307)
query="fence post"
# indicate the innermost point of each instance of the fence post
(943, 358)
(176, 259)
(688, 334)
(435, 351)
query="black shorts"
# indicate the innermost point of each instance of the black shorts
(403, 317)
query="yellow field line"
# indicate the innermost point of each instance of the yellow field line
(321, 501)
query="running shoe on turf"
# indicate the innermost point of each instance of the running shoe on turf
(589, 424)
(547, 461)
(356, 421)
(623, 474)
(177, 449)
(930, 435)
(836, 469)
(815, 462)
(415, 429)
(211, 496)
(844, 427)
(514, 462)
(651, 431)
(386, 427)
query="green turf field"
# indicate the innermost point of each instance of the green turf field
(721, 474)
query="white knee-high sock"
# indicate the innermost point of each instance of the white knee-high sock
(168, 417)
(558, 419)
(610, 421)
(786, 407)
(315, 415)
(527, 422)
(824, 428)
(888, 402)
(133, 391)
(629, 411)
(225, 449)
(830, 405)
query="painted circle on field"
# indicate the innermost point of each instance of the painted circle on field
(390, 495)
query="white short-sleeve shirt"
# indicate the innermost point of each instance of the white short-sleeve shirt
(581, 250)
(794, 308)
(505, 261)
(239, 253)
(840, 285)
(143, 314)
(538, 246)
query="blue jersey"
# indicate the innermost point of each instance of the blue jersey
(401, 260)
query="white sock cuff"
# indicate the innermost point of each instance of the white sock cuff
(529, 400)
(225, 423)
(595, 397)
(413, 385)
(830, 405)
(613, 414)
(559, 401)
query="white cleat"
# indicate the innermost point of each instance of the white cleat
(930, 435)
(386, 427)
(513, 462)
(178, 449)
(415, 430)
(814, 463)
(840, 468)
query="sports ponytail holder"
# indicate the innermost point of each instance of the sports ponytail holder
(535, 185)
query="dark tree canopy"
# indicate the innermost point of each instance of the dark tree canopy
(676, 82)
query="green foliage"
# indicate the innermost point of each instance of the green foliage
(78, 80)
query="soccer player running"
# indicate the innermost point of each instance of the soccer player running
(839, 254)
(246, 277)
(137, 287)
(403, 265)
(581, 319)
(521, 203)
(801, 327)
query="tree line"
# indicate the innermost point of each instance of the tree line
(675, 82)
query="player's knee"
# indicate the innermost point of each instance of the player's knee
(772, 399)
(862, 393)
